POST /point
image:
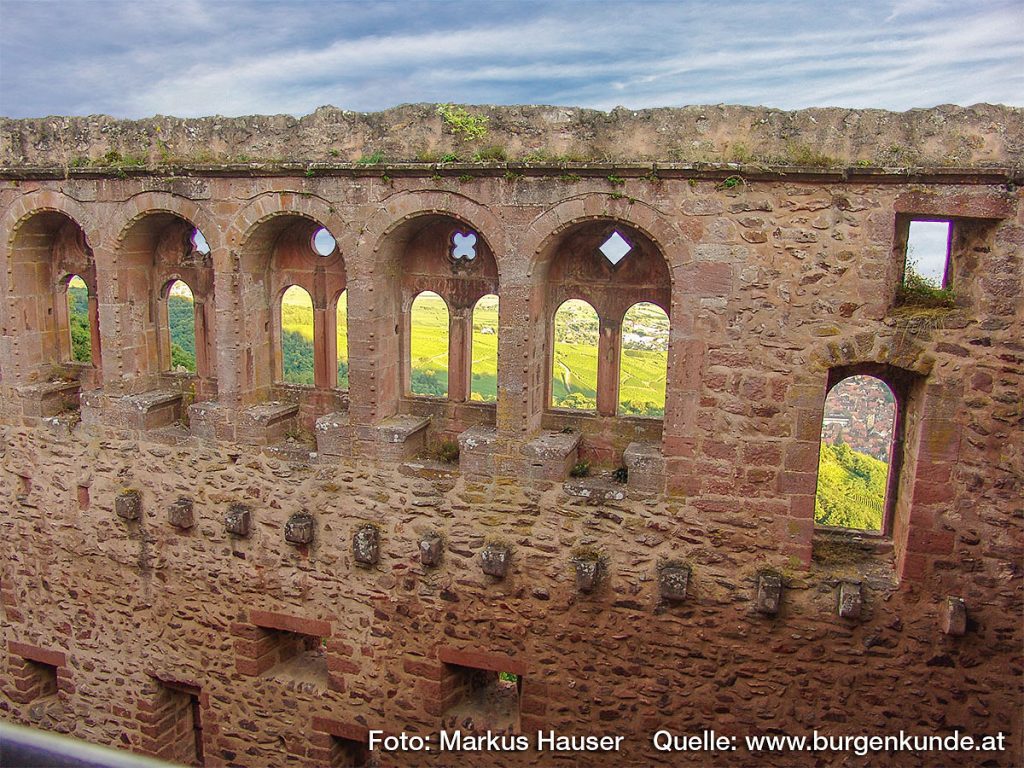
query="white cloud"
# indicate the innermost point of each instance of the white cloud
(232, 58)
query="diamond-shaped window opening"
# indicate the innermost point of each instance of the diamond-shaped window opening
(324, 242)
(463, 245)
(615, 248)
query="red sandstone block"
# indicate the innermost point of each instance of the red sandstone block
(35, 653)
(914, 567)
(341, 664)
(930, 542)
(706, 279)
(481, 660)
(762, 454)
(255, 666)
(339, 646)
(247, 631)
(801, 552)
(430, 670)
(254, 649)
(530, 723)
(802, 456)
(336, 683)
(288, 623)
(340, 729)
(533, 706)
(932, 493)
(718, 450)
(801, 507)
(798, 482)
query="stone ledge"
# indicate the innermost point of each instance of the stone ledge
(334, 435)
(400, 438)
(212, 421)
(144, 411)
(444, 476)
(476, 450)
(596, 489)
(551, 455)
(51, 398)
(646, 468)
(266, 423)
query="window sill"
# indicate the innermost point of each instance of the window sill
(835, 546)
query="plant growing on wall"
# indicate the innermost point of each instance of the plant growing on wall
(464, 125)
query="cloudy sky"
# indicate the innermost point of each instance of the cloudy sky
(200, 57)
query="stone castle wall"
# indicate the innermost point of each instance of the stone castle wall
(123, 588)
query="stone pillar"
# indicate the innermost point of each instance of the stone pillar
(460, 340)
(608, 352)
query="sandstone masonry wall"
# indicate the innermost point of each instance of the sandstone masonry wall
(118, 480)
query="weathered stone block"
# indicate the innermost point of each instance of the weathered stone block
(494, 559)
(476, 450)
(673, 581)
(238, 520)
(588, 573)
(551, 455)
(954, 617)
(400, 438)
(180, 513)
(851, 601)
(333, 435)
(366, 544)
(299, 529)
(645, 466)
(128, 504)
(769, 593)
(266, 423)
(431, 550)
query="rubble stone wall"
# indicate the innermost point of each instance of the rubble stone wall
(295, 558)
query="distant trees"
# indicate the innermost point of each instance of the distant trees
(78, 322)
(181, 319)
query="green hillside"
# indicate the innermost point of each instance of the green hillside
(851, 488)
(78, 320)
(642, 391)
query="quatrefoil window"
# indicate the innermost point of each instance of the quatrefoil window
(463, 246)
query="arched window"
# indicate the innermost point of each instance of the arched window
(428, 346)
(180, 325)
(296, 352)
(574, 358)
(856, 454)
(484, 364)
(341, 338)
(79, 326)
(644, 361)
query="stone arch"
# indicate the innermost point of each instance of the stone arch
(269, 205)
(270, 241)
(546, 229)
(403, 233)
(152, 247)
(60, 236)
(402, 207)
(42, 201)
(897, 349)
(148, 203)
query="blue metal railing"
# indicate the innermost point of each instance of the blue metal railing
(22, 747)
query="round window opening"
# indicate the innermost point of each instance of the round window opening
(324, 242)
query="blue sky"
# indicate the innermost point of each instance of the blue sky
(201, 57)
